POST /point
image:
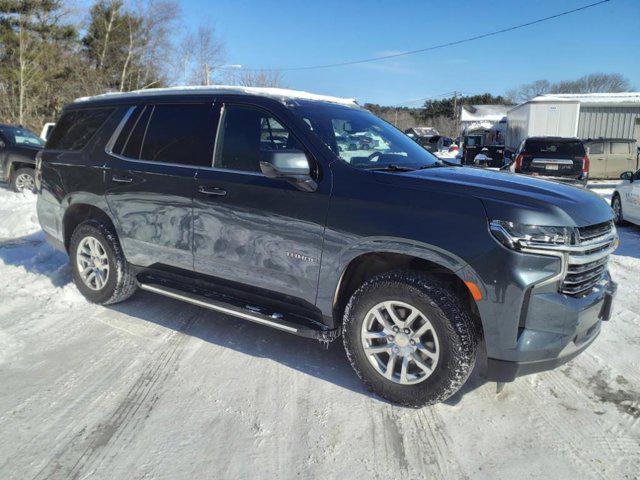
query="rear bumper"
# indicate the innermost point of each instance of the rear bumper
(545, 350)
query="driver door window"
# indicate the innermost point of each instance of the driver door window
(246, 134)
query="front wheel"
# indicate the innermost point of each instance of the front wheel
(616, 206)
(409, 339)
(100, 270)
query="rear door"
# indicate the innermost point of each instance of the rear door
(619, 158)
(251, 229)
(151, 179)
(598, 159)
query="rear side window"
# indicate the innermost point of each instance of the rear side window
(622, 148)
(135, 135)
(549, 147)
(75, 128)
(181, 134)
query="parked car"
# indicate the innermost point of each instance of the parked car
(46, 130)
(553, 158)
(183, 193)
(611, 157)
(18, 149)
(625, 200)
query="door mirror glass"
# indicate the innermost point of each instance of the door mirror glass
(291, 165)
(627, 176)
(2, 144)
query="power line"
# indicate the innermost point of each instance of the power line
(433, 47)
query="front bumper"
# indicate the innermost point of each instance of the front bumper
(577, 324)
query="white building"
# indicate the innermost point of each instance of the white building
(489, 120)
(591, 115)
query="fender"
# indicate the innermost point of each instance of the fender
(333, 269)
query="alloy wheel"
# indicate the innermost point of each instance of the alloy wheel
(93, 263)
(25, 182)
(400, 342)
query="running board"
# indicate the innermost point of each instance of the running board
(274, 321)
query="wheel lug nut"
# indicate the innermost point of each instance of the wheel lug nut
(412, 342)
(390, 338)
(406, 330)
(396, 329)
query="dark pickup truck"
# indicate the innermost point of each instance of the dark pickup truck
(241, 201)
(18, 150)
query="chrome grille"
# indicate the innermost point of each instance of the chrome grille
(587, 262)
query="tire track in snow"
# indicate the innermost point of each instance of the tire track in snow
(107, 437)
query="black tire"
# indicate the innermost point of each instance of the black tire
(618, 219)
(457, 336)
(17, 180)
(121, 282)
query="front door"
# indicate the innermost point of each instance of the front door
(251, 229)
(597, 159)
(151, 180)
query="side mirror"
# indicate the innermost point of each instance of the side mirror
(2, 144)
(627, 176)
(290, 165)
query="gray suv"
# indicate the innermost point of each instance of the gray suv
(244, 201)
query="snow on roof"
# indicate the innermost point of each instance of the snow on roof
(425, 131)
(587, 98)
(484, 113)
(281, 94)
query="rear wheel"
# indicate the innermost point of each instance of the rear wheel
(100, 270)
(409, 339)
(23, 180)
(616, 206)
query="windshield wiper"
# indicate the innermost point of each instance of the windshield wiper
(432, 165)
(391, 168)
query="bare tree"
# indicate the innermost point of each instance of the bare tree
(257, 78)
(592, 83)
(203, 54)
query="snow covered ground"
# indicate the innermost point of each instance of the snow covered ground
(153, 388)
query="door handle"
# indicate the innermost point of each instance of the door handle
(121, 179)
(212, 191)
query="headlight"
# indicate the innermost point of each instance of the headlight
(518, 236)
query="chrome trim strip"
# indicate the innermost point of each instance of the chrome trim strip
(554, 161)
(228, 311)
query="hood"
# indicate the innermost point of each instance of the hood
(509, 196)
(27, 149)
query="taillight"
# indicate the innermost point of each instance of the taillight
(519, 159)
(585, 164)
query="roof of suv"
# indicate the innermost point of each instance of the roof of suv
(280, 94)
(554, 139)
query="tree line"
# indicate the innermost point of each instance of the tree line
(51, 54)
(443, 114)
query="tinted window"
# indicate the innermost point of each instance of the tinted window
(550, 147)
(620, 147)
(21, 136)
(245, 133)
(126, 130)
(134, 137)
(596, 148)
(74, 130)
(181, 134)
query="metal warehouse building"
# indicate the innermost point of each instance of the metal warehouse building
(608, 115)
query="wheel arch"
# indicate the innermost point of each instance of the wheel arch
(368, 264)
(76, 213)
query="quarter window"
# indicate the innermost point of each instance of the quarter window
(245, 134)
(75, 128)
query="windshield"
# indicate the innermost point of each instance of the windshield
(21, 136)
(363, 140)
